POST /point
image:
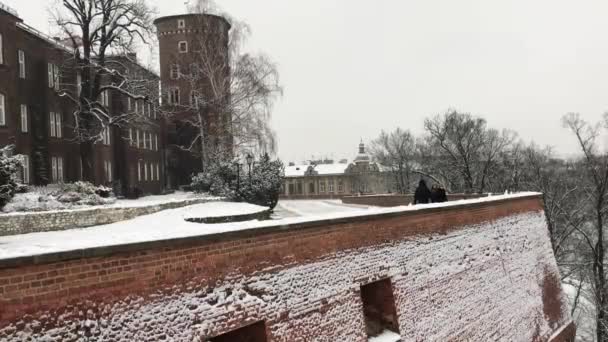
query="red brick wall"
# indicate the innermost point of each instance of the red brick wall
(478, 269)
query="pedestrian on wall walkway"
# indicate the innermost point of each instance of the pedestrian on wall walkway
(422, 194)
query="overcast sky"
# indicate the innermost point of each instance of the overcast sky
(351, 68)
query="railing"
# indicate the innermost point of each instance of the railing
(8, 9)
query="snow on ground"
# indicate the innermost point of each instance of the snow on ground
(170, 224)
(219, 209)
(316, 207)
(54, 206)
(386, 336)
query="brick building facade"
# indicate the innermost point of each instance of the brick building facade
(143, 157)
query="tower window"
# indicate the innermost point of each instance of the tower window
(182, 47)
(181, 23)
(174, 72)
(379, 310)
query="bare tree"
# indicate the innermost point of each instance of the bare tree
(594, 189)
(396, 151)
(232, 93)
(97, 31)
(466, 147)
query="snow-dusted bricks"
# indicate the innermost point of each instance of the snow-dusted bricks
(474, 271)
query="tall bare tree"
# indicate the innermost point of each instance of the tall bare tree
(467, 147)
(97, 31)
(396, 151)
(594, 192)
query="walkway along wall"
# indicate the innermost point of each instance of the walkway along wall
(473, 271)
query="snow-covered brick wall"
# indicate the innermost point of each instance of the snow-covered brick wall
(472, 272)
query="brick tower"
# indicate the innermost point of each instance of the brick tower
(195, 81)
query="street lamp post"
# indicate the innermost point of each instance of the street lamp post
(249, 162)
(238, 177)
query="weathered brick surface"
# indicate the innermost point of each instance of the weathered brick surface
(32, 222)
(464, 273)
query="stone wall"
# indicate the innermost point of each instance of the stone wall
(395, 200)
(468, 272)
(32, 222)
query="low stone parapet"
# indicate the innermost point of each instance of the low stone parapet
(44, 221)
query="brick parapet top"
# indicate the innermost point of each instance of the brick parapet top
(257, 231)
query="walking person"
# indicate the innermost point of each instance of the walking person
(422, 194)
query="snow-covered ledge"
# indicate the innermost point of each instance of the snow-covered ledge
(167, 227)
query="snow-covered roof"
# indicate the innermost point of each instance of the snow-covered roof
(170, 224)
(320, 169)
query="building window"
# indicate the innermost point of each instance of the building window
(78, 84)
(129, 104)
(174, 96)
(23, 118)
(139, 171)
(340, 186)
(193, 99)
(146, 172)
(57, 169)
(379, 309)
(145, 140)
(105, 98)
(321, 187)
(182, 47)
(252, 333)
(137, 138)
(51, 75)
(330, 185)
(55, 124)
(157, 172)
(149, 106)
(26, 169)
(181, 23)
(174, 72)
(107, 167)
(2, 110)
(311, 188)
(155, 142)
(56, 76)
(105, 139)
(1, 50)
(21, 64)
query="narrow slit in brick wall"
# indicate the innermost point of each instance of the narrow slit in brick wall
(379, 307)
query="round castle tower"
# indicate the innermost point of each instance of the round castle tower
(193, 51)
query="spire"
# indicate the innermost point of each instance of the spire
(361, 147)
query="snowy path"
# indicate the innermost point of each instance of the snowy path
(317, 207)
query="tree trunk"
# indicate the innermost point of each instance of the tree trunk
(600, 278)
(88, 161)
(201, 129)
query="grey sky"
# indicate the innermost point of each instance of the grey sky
(351, 68)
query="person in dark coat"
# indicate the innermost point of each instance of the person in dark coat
(442, 195)
(422, 194)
